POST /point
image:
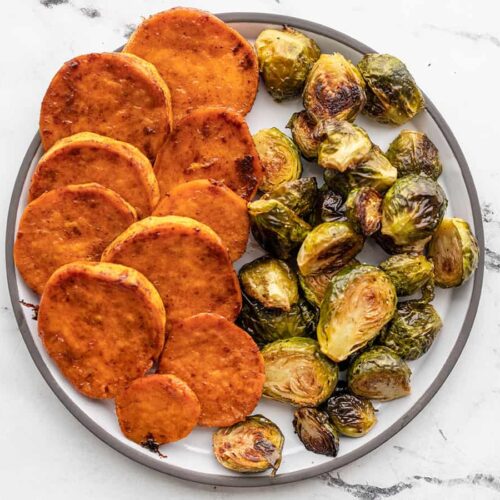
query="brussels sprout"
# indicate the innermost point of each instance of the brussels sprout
(379, 373)
(279, 158)
(277, 228)
(304, 133)
(413, 329)
(334, 89)
(413, 152)
(454, 251)
(299, 196)
(253, 445)
(364, 210)
(285, 58)
(352, 416)
(327, 247)
(316, 431)
(412, 209)
(387, 243)
(328, 207)
(392, 96)
(359, 301)
(297, 372)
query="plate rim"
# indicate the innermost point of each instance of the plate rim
(247, 480)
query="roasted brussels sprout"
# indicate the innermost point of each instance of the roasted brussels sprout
(364, 210)
(392, 96)
(304, 133)
(334, 89)
(285, 58)
(387, 243)
(279, 158)
(412, 209)
(316, 431)
(253, 445)
(327, 247)
(413, 329)
(327, 208)
(352, 416)
(379, 373)
(297, 372)
(277, 228)
(413, 152)
(454, 251)
(359, 301)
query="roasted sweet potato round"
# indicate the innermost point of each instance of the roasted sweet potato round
(103, 324)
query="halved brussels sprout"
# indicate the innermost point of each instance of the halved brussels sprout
(279, 158)
(352, 416)
(412, 209)
(253, 445)
(334, 89)
(297, 372)
(413, 329)
(364, 210)
(454, 251)
(359, 301)
(412, 152)
(379, 373)
(316, 431)
(328, 207)
(285, 58)
(327, 247)
(277, 228)
(391, 92)
(304, 133)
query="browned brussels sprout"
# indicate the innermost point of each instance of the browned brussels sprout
(328, 207)
(413, 152)
(364, 210)
(391, 92)
(304, 133)
(316, 431)
(387, 243)
(352, 416)
(334, 89)
(254, 445)
(285, 58)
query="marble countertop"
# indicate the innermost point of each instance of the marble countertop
(453, 446)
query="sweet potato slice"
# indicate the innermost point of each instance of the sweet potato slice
(157, 409)
(88, 157)
(214, 204)
(185, 260)
(103, 324)
(204, 61)
(116, 95)
(210, 143)
(67, 224)
(220, 362)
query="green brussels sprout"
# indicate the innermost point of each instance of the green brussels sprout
(352, 416)
(279, 158)
(253, 445)
(316, 432)
(285, 59)
(327, 208)
(392, 96)
(277, 228)
(412, 152)
(379, 373)
(297, 372)
(387, 243)
(304, 133)
(334, 89)
(364, 210)
(412, 209)
(359, 301)
(413, 329)
(327, 247)
(454, 251)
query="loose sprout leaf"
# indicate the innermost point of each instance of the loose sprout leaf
(316, 431)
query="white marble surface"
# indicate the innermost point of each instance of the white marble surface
(453, 447)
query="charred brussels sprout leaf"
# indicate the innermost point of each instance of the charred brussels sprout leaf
(327, 208)
(253, 445)
(279, 158)
(359, 301)
(304, 133)
(334, 89)
(454, 251)
(364, 210)
(316, 431)
(392, 94)
(379, 373)
(285, 58)
(352, 416)
(413, 152)
(297, 372)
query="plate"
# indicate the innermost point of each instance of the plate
(192, 458)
